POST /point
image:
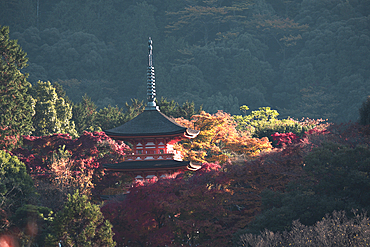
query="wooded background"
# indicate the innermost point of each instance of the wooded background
(306, 58)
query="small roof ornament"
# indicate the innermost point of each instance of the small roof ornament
(151, 79)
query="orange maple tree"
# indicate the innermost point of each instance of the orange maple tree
(218, 139)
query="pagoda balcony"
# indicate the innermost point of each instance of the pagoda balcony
(168, 156)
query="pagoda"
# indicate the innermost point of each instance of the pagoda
(152, 136)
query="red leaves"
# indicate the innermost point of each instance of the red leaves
(89, 150)
(203, 208)
(207, 207)
(285, 138)
(173, 211)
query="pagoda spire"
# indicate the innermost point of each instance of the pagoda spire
(151, 79)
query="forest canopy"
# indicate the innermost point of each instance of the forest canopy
(303, 58)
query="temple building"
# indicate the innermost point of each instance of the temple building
(151, 135)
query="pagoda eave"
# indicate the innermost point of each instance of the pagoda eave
(153, 166)
(130, 137)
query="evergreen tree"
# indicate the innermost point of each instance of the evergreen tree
(84, 114)
(53, 113)
(173, 109)
(16, 105)
(132, 110)
(187, 110)
(33, 224)
(168, 108)
(62, 93)
(109, 117)
(365, 112)
(16, 186)
(81, 223)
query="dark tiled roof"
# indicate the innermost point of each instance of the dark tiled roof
(150, 122)
(152, 165)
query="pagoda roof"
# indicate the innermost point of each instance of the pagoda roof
(151, 122)
(152, 165)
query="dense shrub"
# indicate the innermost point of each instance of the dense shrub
(335, 230)
(336, 177)
(16, 185)
(264, 123)
(80, 223)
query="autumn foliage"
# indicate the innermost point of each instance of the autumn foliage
(203, 208)
(208, 207)
(60, 165)
(218, 139)
(285, 138)
(89, 151)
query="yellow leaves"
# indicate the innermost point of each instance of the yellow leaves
(66, 177)
(249, 146)
(218, 139)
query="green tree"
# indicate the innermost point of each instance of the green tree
(187, 110)
(53, 113)
(365, 112)
(264, 123)
(80, 223)
(282, 32)
(173, 109)
(327, 76)
(168, 107)
(16, 186)
(33, 223)
(111, 117)
(84, 114)
(218, 101)
(255, 118)
(16, 105)
(18, 13)
(201, 20)
(132, 110)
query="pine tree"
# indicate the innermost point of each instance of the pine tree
(81, 223)
(53, 113)
(16, 187)
(365, 112)
(84, 114)
(16, 105)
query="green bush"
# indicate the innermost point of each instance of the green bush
(16, 186)
(263, 123)
(81, 223)
(267, 128)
